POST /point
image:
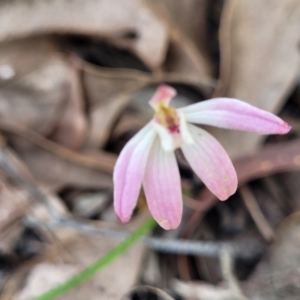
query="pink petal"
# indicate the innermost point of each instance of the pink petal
(164, 93)
(129, 171)
(162, 187)
(211, 163)
(234, 114)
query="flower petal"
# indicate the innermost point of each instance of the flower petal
(166, 139)
(184, 132)
(211, 163)
(129, 171)
(234, 114)
(162, 187)
(164, 93)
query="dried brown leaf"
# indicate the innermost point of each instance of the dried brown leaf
(80, 251)
(56, 172)
(186, 23)
(278, 276)
(104, 116)
(21, 196)
(72, 125)
(108, 92)
(39, 87)
(13, 205)
(104, 161)
(56, 166)
(102, 18)
(259, 59)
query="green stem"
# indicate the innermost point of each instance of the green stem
(100, 263)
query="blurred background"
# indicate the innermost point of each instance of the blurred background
(75, 80)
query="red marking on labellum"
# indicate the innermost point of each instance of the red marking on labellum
(174, 129)
(167, 117)
(172, 125)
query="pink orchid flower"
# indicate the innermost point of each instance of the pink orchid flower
(148, 159)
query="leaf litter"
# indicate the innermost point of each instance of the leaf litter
(73, 79)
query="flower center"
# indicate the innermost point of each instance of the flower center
(168, 118)
(169, 123)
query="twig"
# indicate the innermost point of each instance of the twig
(16, 170)
(278, 194)
(105, 164)
(246, 250)
(256, 214)
(226, 260)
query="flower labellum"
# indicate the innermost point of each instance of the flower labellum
(148, 159)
